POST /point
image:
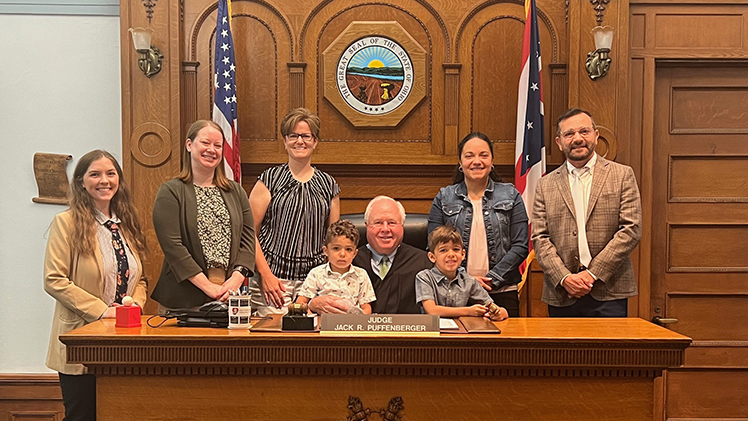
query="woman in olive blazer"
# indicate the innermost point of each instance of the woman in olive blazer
(187, 279)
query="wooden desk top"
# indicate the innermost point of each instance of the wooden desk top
(512, 330)
(524, 342)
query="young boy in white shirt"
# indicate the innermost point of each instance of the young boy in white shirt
(338, 277)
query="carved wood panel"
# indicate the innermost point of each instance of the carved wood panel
(30, 397)
(688, 123)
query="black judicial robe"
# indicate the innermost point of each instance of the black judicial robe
(396, 293)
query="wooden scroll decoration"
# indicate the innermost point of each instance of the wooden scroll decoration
(357, 412)
(51, 175)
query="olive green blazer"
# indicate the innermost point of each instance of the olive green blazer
(175, 222)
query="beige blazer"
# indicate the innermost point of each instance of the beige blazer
(613, 231)
(77, 284)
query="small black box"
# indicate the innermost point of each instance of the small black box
(298, 322)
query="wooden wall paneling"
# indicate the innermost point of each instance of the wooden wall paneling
(151, 116)
(618, 16)
(618, 141)
(264, 43)
(603, 96)
(686, 29)
(451, 111)
(707, 247)
(706, 316)
(30, 397)
(296, 83)
(707, 394)
(486, 46)
(639, 96)
(555, 106)
(189, 95)
(732, 354)
(697, 272)
(692, 178)
(535, 306)
(411, 141)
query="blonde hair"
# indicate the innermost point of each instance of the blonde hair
(84, 211)
(219, 176)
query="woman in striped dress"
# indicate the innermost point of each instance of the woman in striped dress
(292, 204)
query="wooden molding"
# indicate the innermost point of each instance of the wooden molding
(381, 171)
(545, 345)
(30, 397)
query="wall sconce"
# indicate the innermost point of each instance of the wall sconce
(598, 61)
(150, 56)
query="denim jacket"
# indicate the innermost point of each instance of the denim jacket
(506, 226)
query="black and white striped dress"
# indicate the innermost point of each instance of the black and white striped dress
(293, 230)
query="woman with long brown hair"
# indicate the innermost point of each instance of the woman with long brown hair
(204, 226)
(93, 260)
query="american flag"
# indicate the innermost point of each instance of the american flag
(224, 107)
(530, 146)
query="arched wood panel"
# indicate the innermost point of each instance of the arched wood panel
(421, 129)
(490, 48)
(263, 45)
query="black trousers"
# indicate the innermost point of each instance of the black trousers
(509, 300)
(590, 307)
(79, 396)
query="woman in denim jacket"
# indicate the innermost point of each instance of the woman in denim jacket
(491, 217)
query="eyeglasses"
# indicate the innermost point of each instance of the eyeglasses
(381, 224)
(306, 137)
(583, 131)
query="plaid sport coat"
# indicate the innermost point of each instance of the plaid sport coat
(613, 231)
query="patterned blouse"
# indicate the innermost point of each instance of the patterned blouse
(293, 230)
(213, 226)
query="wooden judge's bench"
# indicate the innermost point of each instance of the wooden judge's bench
(559, 369)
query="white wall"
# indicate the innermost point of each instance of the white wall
(59, 93)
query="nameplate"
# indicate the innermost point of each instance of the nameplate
(380, 324)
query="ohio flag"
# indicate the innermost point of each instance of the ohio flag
(530, 146)
(224, 107)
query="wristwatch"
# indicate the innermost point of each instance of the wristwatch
(243, 270)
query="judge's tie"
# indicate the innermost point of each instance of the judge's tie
(580, 197)
(384, 267)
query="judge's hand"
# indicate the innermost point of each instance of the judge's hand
(485, 282)
(578, 285)
(273, 290)
(328, 304)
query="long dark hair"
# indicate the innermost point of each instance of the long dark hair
(459, 177)
(84, 211)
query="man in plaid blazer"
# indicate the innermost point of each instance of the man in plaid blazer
(586, 275)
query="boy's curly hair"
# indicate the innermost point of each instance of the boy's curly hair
(342, 228)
